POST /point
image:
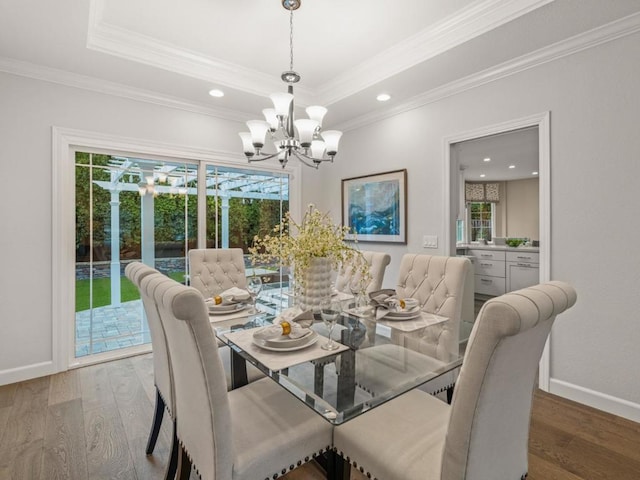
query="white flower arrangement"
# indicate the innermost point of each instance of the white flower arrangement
(296, 244)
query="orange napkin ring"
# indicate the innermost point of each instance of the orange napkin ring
(286, 328)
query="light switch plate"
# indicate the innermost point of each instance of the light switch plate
(430, 241)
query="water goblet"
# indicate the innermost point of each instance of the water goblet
(254, 286)
(330, 310)
(357, 288)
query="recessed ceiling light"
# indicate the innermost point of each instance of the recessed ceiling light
(216, 93)
(383, 97)
(512, 166)
(534, 173)
(487, 159)
(482, 175)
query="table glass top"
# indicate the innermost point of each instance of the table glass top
(370, 368)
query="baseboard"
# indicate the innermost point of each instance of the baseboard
(599, 400)
(13, 375)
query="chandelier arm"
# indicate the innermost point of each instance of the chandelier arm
(302, 159)
(261, 159)
(300, 154)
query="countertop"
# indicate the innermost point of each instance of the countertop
(501, 248)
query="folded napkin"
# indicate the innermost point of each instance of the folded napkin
(295, 316)
(273, 332)
(385, 301)
(232, 295)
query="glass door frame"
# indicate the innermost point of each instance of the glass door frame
(66, 142)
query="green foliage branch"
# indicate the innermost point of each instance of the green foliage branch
(296, 244)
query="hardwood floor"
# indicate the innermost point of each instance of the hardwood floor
(93, 423)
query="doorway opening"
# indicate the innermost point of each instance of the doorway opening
(524, 221)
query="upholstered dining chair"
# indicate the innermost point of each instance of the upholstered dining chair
(253, 432)
(162, 375)
(484, 433)
(146, 280)
(214, 270)
(437, 283)
(377, 261)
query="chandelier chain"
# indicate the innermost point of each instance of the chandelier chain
(291, 39)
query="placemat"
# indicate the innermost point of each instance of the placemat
(229, 316)
(279, 360)
(425, 320)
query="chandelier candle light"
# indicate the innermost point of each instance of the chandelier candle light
(311, 144)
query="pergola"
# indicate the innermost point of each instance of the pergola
(158, 178)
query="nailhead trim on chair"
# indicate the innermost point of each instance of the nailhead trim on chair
(355, 464)
(275, 475)
(166, 405)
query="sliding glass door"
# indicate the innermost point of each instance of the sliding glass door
(135, 209)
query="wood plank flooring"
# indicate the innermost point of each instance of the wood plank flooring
(93, 422)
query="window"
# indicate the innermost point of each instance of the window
(481, 220)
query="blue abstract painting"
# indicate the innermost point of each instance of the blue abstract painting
(374, 208)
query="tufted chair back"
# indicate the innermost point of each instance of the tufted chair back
(437, 283)
(202, 406)
(161, 357)
(488, 430)
(214, 270)
(138, 273)
(377, 261)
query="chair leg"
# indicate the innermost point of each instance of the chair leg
(172, 467)
(450, 394)
(157, 422)
(184, 465)
(337, 468)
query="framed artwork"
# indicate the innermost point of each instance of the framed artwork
(375, 207)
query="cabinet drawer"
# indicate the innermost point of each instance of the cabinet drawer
(522, 275)
(493, 268)
(523, 257)
(487, 254)
(490, 285)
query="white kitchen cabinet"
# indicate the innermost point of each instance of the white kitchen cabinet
(490, 276)
(522, 269)
(498, 271)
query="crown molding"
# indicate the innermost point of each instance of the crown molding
(151, 51)
(53, 75)
(583, 41)
(462, 26)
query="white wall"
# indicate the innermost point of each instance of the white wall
(28, 110)
(594, 100)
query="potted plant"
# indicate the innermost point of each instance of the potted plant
(313, 247)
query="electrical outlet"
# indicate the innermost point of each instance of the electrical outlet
(430, 241)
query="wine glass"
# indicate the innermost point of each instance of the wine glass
(254, 286)
(330, 310)
(357, 287)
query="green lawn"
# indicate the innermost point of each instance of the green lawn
(102, 291)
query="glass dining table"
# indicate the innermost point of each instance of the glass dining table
(366, 370)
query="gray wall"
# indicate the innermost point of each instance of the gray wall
(594, 100)
(28, 110)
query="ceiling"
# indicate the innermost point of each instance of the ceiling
(346, 51)
(511, 155)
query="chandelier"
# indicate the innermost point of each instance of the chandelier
(312, 145)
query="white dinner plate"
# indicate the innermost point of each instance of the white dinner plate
(408, 315)
(310, 340)
(224, 309)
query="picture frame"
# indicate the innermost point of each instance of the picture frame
(374, 207)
